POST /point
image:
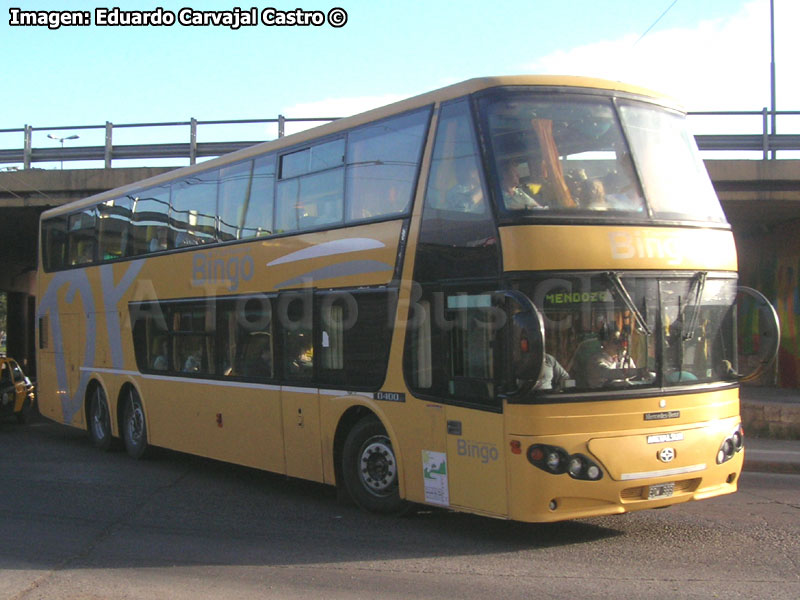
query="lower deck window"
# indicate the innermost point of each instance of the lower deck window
(337, 338)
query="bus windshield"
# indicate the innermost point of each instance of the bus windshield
(557, 156)
(606, 332)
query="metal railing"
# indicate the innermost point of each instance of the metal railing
(768, 144)
(765, 142)
(109, 152)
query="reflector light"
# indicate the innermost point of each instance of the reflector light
(536, 454)
(516, 447)
(523, 345)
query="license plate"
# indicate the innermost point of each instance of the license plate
(662, 490)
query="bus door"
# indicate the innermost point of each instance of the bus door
(72, 356)
(301, 432)
(476, 460)
(299, 397)
(475, 447)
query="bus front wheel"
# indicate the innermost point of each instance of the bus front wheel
(134, 427)
(369, 468)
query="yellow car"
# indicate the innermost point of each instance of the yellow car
(16, 391)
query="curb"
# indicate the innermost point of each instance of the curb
(770, 455)
(767, 466)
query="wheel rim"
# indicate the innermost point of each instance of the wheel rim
(377, 466)
(136, 424)
(99, 417)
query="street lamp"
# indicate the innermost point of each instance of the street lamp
(772, 66)
(61, 139)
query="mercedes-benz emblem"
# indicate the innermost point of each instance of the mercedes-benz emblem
(666, 454)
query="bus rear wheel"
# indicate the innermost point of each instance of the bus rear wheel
(369, 469)
(99, 420)
(134, 427)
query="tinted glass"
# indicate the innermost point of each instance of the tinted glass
(674, 177)
(317, 158)
(193, 209)
(114, 228)
(82, 236)
(354, 337)
(458, 236)
(452, 345)
(310, 201)
(54, 243)
(246, 194)
(683, 334)
(382, 161)
(150, 219)
(191, 338)
(246, 339)
(560, 155)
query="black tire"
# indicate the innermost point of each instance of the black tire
(369, 469)
(134, 426)
(99, 424)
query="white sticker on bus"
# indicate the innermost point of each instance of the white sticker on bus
(434, 472)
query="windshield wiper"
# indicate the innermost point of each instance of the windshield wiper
(699, 282)
(628, 301)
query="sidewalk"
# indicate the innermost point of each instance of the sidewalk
(771, 456)
(771, 419)
(770, 412)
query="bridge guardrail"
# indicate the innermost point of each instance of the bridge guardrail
(192, 150)
(766, 143)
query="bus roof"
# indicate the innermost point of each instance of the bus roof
(463, 88)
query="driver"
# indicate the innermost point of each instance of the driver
(612, 362)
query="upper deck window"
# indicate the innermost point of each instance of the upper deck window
(82, 236)
(368, 173)
(557, 156)
(310, 192)
(316, 158)
(675, 180)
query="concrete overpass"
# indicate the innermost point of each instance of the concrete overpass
(761, 199)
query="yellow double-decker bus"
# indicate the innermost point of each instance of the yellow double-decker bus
(512, 296)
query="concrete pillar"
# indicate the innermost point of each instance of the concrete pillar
(20, 331)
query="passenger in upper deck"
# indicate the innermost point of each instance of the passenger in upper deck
(621, 186)
(467, 194)
(515, 196)
(588, 193)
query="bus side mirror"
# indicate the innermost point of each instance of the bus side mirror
(525, 342)
(759, 334)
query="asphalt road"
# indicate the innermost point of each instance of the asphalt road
(79, 524)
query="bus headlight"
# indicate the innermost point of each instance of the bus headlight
(594, 473)
(575, 466)
(738, 438)
(731, 445)
(583, 467)
(556, 461)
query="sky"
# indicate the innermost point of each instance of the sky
(708, 54)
